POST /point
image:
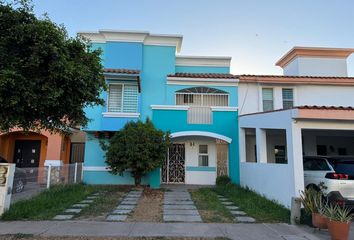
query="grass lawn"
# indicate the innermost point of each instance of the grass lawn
(48, 203)
(255, 205)
(209, 206)
(104, 204)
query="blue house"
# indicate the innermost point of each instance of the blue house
(195, 98)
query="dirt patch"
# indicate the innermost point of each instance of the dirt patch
(32, 237)
(149, 208)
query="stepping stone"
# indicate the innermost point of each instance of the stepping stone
(122, 211)
(63, 217)
(80, 205)
(92, 197)
(180, 212)
(119, 218)
(131, 198)
(223, 199)
(245, 219)
(227, 203)
(86, 201)
(232, 207)
(127, 207)
(240, 213)
(167, 202)
(73, 210)
(178, 198)
(181, 207)
(181, 218)
(96, 194)
(126, 202)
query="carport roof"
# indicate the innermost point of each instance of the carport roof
(316, 112)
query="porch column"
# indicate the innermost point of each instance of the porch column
(261, 145)
(295, 158)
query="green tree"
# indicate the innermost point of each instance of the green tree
(139, 148)
(46, 77)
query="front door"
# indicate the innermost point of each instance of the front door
(27, 153)
(173, 170)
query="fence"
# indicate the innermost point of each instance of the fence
(29, 182)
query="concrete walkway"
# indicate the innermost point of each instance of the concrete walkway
(124, 229)
(179, 207)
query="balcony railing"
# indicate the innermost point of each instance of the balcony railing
(200, 115)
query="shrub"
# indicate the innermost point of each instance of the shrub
(222, 180)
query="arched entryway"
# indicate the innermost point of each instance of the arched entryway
(196, 157)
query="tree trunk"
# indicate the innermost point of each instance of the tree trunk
(137, 179)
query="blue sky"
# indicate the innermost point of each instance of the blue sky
(254, 33)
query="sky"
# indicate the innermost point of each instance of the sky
(254, 33)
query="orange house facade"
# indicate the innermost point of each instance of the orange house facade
(32, 149)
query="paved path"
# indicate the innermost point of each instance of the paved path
(126, 206)
(179, 207)
(239, 231)
(239, 216)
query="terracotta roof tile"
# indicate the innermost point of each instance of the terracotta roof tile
(203, 75)
(314, 107)
(121, 70)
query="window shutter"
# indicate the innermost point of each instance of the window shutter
(288, 98)
(115, 98)
(130, 98)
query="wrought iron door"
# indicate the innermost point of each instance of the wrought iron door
(173, 170)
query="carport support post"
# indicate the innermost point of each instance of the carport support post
(75, 175)
(261, 145)
(48, 176)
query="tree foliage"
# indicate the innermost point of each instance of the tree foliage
(139, 148)
(46, 77)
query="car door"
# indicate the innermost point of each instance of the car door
(315, 170)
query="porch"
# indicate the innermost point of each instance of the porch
(272, 146)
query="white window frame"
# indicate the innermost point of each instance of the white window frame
(262, 100)
(203, 154)
(282, 98)
(202, 94)
(121, 114)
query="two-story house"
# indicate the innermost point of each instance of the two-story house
(307, 111)
(195, 98)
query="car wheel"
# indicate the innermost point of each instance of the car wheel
(18, 186)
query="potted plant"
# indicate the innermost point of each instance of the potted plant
(312, 201)
(339, 220)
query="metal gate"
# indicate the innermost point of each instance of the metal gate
(173, 170)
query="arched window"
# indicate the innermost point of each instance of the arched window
(202, 96)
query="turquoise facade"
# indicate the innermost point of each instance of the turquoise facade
(155, 62)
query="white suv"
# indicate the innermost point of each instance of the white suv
(335, 173)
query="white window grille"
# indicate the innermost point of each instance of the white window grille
(200, 100)
(123, 98)
(267, 97)
(288, 98)
(203, 158)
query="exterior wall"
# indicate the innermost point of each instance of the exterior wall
(276, 181)
(312, 66)
(224, 123)
(194, 173)
(201, 69)
(250, 96)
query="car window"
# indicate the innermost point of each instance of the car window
(316, 164)
(345, 167)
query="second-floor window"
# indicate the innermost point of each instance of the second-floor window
(267, 99)
(202, 96)
(288, 98)
(123, 98)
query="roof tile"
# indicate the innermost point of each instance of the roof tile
(121, 70)
(203, 75)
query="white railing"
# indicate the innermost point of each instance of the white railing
(200, 115)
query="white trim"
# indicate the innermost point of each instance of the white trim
(170, 107)
(209, 61)
(120, 114)
(201, 133)
(146, 38)
(96, 168)
(223, 109)
(198, 83)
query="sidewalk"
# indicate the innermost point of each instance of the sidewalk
(125, 229)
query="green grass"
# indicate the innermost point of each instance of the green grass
(105, 203)
(209, 206)
(48, 203)
(255, 205)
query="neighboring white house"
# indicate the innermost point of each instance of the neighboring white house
(307, 111)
